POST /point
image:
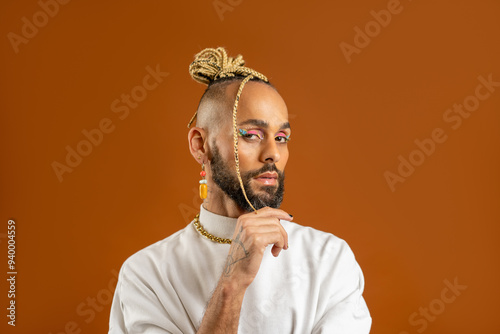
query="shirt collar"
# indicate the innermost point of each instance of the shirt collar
(219, 226)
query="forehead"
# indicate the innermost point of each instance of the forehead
(260, 101)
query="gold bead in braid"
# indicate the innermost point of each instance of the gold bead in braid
(203, 232)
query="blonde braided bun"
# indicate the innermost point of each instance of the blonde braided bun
(212, 64)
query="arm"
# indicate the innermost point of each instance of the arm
(253, 233)
(344, 309)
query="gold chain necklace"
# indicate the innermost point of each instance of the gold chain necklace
(207, 235)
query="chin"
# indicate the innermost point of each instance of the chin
(267, 191)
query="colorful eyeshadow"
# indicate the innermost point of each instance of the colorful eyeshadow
(243, 132)
(255, 132)
(282, 134)
(258, 133)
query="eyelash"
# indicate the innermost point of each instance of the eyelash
(244, 133)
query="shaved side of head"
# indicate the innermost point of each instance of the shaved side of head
(215, 107)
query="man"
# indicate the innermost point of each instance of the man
(242, 265)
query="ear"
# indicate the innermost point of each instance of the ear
(197, 144)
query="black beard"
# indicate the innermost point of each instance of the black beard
(227, 180)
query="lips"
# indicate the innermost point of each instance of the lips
(267, 178)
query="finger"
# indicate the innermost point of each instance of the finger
(264, 235)
(273, 221)
(276, 251)
(279, 246)
(285, 235)
(270, 212)
(279, 243)
(281, 214)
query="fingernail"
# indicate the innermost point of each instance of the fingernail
(290, 215)
(286, 246)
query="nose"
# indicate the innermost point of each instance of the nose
(270, 151)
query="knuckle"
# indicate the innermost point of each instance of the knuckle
(257, 239)
(244, 223)
(249, 232)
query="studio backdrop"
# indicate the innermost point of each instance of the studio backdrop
(394, 108)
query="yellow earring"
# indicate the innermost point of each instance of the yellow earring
(203, 183)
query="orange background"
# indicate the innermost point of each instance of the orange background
(351, 121)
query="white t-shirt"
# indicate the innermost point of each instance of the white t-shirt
(315, 286)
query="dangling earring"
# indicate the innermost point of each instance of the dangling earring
(203, 183)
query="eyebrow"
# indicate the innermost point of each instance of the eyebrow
(263, 124)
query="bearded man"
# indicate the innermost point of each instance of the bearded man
(242, 265)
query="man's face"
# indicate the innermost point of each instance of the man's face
(264, 195)
(263, 150)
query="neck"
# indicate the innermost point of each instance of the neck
(219, 203)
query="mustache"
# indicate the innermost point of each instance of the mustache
(264, 169)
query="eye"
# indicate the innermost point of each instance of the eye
(251, 134)
(282, 138)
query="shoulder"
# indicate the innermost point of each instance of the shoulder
(318, 245)
(154, 256)
(306, 235)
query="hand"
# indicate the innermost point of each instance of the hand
(253, 233)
